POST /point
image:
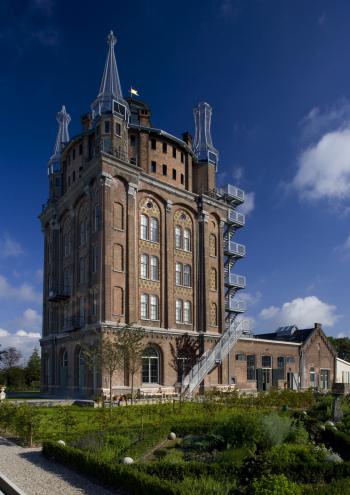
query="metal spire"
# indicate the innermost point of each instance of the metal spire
(63, 119)
(110, 88)
(203, 144)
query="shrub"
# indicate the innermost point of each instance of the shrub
(203, 443)
(275, 429)
(338, 440)
(241, 431)
(204, 486)
(275, 485)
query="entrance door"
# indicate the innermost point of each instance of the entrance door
(266, 379)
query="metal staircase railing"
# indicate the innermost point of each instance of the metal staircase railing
(213, 357)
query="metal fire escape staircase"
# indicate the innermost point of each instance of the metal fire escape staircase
(233, 251)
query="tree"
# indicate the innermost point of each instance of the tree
(32, 370)
(342, 346)
(10, 358)
(110, 356)
(184, 354)
(131, 346)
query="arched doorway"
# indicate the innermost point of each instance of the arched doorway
(151, 366)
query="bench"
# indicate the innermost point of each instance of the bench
(157, 391)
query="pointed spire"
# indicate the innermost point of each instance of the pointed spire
(203, 144)
(63, 119)
(110, 88)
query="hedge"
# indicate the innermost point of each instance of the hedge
(338, 441)
(130, 477)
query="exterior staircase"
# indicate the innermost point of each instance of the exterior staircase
(211, 358)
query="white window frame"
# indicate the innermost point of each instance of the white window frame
(187, 241)
(187, 275)
(154, 229)
(154, 268)
(179, 310)
(178, 237)
(154, 307)
(144, 306)
(187, 312)
(144, 266)
(178, 273)
(144, 221)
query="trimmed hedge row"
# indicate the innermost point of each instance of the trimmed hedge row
(131, 478)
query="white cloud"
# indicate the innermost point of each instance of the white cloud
(3, 333)
(30, 335)
(249, 204)
(303, 312)
(344, 249)
(324, 169)
(318, 122)
(30, 319)
(24, 292)
(9, 247)
(250, 299)
(23, 341)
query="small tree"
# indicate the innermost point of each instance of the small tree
(184, 354)
(27, 420)
(131, 347)
(111, 358)
(66, 419)
(32, 370)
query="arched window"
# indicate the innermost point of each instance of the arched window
(213, 315)
(144, 265)
(187, 240)
(151, 365)
(178, 237)
(187, 312)
(154, 268)
(187, 276)
(144, 227)
(154, 237)
(212, 245)
(154, 307)
(213, 279)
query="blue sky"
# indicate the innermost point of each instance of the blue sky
(278, 77)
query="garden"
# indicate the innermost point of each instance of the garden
(281, 442)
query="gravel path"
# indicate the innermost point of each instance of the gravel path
(36, 475)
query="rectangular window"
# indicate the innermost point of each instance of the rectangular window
(94, 303)
(107, 127)
(80, 149)
(153, 167)
(182, 157)
(118, 130)
(324, 379)
(240, 357)
(174, 152)
(97, 218)
(144, 227)
(144, 266)
(187, 240)
(187, 312)
(153, 144)
(182, 179)
(187, 275)
(132, 140)
(178, 237)
(165, 170)
(178, 273)
(266, 361)
(179, 310)
(73, 176)
(94, 259)
(154, 308)
(174, 173)
(73, 154)
(251, 367)
(154, 230)
(290, 359)
(81, 270)
(165, 148)
(144, 306)
(154, 268)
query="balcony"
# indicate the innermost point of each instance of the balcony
(233, 280)
(235, 305)
(232, 194)
(234, 249)
(236, 218)
(59, 293)
(75, 323)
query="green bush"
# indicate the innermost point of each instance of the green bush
(204, 486)
(275, 485)
(275, 429)
(338, 441)
(241, 431)
(203, 443)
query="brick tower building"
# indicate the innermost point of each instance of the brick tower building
(137, 232)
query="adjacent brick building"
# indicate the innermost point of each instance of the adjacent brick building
(137, 232)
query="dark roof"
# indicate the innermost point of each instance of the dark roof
(298, 336)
